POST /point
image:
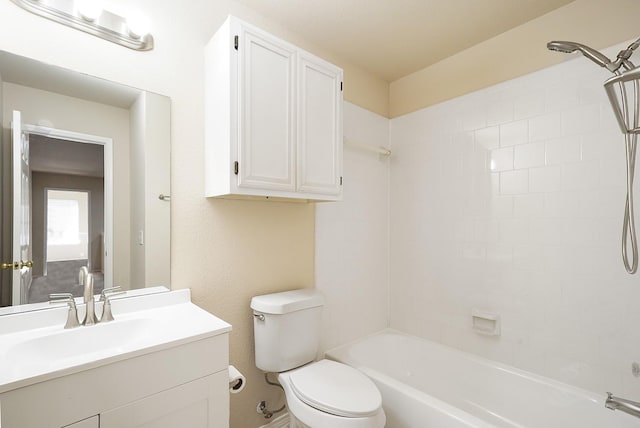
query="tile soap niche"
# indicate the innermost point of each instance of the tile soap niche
(485, 322)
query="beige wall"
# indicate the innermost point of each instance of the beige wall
(517, 52)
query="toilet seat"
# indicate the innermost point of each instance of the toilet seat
(318, 411)
(337, 389)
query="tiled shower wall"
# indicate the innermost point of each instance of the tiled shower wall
(352, 236)
(510, 200)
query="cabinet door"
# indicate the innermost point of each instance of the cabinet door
(203, 403)
(266, 123)
(319, 126)
(92, 422)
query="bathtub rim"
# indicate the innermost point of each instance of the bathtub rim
(535, 377)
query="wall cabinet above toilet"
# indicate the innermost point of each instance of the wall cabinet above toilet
(273, 125)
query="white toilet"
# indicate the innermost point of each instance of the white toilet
(321, 394)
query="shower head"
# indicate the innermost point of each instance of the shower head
(569, 47)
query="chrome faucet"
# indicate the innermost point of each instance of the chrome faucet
(622, 404)
(90, 315)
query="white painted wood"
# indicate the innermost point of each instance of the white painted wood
(252, 107)
(67, 399)
(92, 422)
(266, 122)
(319, 126)
(107, 144)
(197, 404)
(21, 178)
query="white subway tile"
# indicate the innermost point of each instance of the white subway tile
(500, 111)
(581, 119)
(529, 155)
(501, 207)
(613, 173)
(561, 204)
(580, 175)
(527, 256)
(488, 138)
(501, 159)
(547, 231)
(528, 206)
(561, 97)
(545, 179)
(603, 145)
(471, 251)
(528, 105)
(514, 182)
(514, 231)
(474, 118)
(562, 150)
(513, 133)
(608, 121)
(545, 127)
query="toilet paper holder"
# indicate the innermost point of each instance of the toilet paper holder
(237, 381)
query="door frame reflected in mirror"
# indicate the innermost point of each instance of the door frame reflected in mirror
(149, 116)
(107, 146)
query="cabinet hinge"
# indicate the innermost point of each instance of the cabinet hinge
(235, 167)
(235, 42)
(341, 180)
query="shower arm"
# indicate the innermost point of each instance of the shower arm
(622, 59)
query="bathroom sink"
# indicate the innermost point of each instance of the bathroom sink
(143, 324)
(65, 347)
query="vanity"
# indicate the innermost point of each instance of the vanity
(162, 362)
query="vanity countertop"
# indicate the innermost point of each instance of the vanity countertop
(35, 347)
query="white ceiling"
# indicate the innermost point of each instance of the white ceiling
(394, 38)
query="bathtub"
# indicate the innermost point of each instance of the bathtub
(428, 385)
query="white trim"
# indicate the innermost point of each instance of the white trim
(108, 184)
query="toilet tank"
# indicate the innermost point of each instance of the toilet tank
(286, 328)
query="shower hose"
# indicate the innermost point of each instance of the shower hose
(629, 238)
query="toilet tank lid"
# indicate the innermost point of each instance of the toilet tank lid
(287, 301)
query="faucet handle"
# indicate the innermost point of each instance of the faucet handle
(60, 297)
(111, 291)
(105, 296)
(72, 315)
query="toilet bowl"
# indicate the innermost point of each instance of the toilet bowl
(328, 394)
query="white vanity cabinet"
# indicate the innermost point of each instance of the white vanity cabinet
(273, 118)
(183, 386)
(162, 363)
(194, 404)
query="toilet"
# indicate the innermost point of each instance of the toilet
(319, 394)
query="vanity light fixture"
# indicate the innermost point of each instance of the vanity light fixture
(89, 16)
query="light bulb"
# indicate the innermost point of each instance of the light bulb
(138, 24)
(90, 10)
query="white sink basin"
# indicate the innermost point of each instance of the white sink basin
(143, 324)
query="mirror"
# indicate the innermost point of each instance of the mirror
(96, 156)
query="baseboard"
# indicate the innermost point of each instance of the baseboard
(281, 421)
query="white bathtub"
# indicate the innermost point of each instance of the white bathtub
(428, 385)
